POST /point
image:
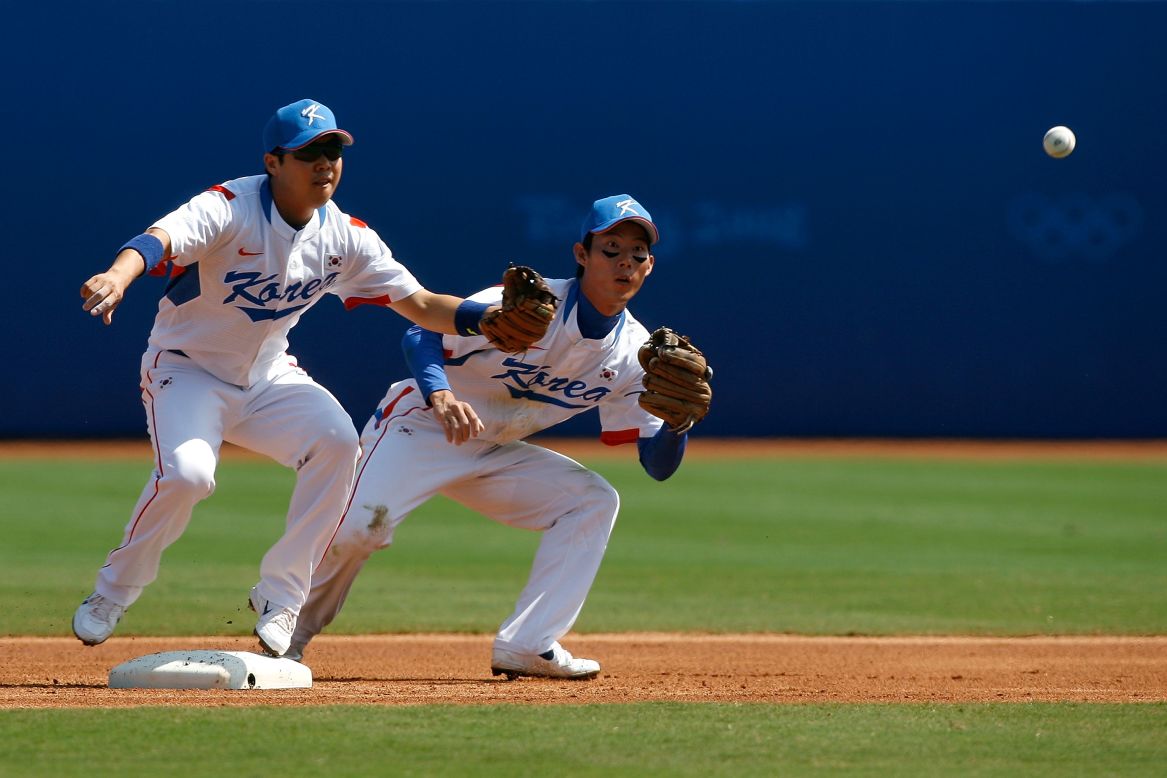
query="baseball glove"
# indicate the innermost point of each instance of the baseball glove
(676, 380)
(528, 306)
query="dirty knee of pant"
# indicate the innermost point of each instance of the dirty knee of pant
(366, 529)
(380, 525)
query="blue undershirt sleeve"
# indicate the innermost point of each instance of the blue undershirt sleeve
(426, 359)
(661, 455)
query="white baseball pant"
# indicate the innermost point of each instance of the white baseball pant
(189, 413)
(407, 460)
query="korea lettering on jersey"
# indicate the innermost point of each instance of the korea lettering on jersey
(241, 277)
(564, 374)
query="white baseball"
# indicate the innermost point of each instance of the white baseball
(1059, 142)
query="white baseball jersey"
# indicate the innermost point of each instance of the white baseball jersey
(563, 374)
(242, 277)
(406, 459)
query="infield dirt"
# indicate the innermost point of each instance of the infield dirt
(455, 669)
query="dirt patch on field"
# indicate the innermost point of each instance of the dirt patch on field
(455, 669)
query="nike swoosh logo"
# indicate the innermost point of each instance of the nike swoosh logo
(266, 608)
(245, 253)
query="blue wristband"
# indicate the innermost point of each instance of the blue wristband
(467, 316)
(148, 246)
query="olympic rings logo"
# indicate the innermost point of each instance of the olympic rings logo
(1075, 225)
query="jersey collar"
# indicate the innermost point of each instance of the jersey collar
(278, 223)
(590, 323)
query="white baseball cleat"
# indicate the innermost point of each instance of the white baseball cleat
(556, 662)
(275, 626)
(96, 618)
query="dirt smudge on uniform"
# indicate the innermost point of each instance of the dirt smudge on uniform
(379, 526)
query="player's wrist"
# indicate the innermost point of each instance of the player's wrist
(125, 268)
(431, 380)
(440, 398)
(467, 317)
(148, 247)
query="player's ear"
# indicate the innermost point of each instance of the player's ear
(650, 264)
(581, 254)
(271, 163)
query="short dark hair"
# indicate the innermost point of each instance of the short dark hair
(278, 153)
(587, 244)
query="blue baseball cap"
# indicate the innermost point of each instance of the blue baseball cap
(295, 126)
(610, 211)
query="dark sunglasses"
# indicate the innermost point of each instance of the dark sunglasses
(312, 152)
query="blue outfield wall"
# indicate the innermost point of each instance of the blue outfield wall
(860, 226)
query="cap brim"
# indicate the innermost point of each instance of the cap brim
(652, 231)
(304, 138)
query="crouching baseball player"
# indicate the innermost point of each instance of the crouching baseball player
(485, 402)
(249, 257)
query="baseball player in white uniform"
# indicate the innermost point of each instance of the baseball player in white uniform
(248, 257)
(485, 402)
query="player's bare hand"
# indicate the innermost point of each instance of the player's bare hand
(102, 294)
(457, 418)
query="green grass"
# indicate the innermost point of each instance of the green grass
(817, 546)
(633, 740)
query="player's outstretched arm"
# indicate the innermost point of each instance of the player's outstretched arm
(103, 292)
(527, 309)
(435, 312)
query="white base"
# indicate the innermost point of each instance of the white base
(209, 670)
